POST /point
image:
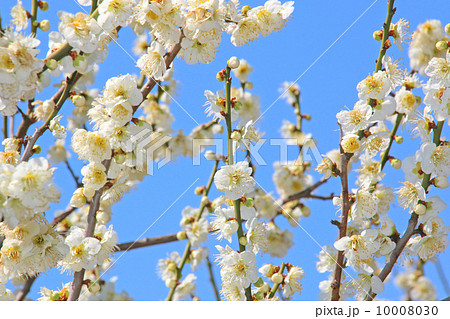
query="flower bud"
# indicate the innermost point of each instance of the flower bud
(119, 158)
(170, 283)
(243, 241)
(199, 190)
(37, 149)
(172, 266)
(44, 25)
(210, 155)
(233, 62)
(88, 193)
(442, 45)
(249, 202)
(396, 163)
(307, 117)
(441, 182)
(181, 235)
(78, 200)
(103, 217)
(267, 270)
(236, 135)
(220, 77)
(420, 209)
(259, 295)
(80, 64)
(306, 212)
(93, 287)
(277, 278)
(205, 201)
(378, 35)
(51, 64)
(259, 283)
(248, 85)
(55, 297)
(195, 298)
(43, 5)
(398, 139)
(447, 28)
(245, 9)
(265, 288)
(78, 100)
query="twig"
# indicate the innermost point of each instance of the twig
(75, 177)
(187, 250)
(146, 242)
(211, 278)
(336, 283)
(5, 127)
(385, 157)
(33, 18)
(70, 82)
(69, 210)
(306, 193)
(26, 288)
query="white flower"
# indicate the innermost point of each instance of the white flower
(243, 71)
(279, 241)
(246, 30)
(438, 70)
(20, 16)
(235, 180)
(57, 129)
(152, 63)
(123, 87)
(186, 288)
(434, 159)
(401, 32)
(94, 175)
(217, 107)
(365, 205)
(83, 251)
(257, 236)
(195, 52)
(406, 102)
(359, 249)
(351, 143)
(114, 13)
(233, 291)
(357, 119)
(292, 281)
(393, 72)
(365, 283)
(79, 30)
(225, 222)
(91, 146)
(291, 178)
(168, 267)
(376, 86)
(327, 259)
(240, 267)
(410, 194)
(108, 239)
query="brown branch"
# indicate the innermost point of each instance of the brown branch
(70, 82)
(306, 193)
(336, 283)
(146, 242)
(69, 210)
(26, 288)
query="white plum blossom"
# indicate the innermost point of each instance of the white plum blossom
(235, 180)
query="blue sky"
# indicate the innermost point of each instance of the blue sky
(327, 85)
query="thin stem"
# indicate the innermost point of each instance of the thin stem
(237, 203)
(212, 280)
(412, 223)
(275, 286)
(146, 242)
(385, 157)
(299, 122)
(187, 250)
(70, 82)
(69, 210)
(336, 283)
(5, 127)
(34, 24)
(386, 27)
(93, 6)
(74, 176)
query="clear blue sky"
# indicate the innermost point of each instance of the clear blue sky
(327, 87)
